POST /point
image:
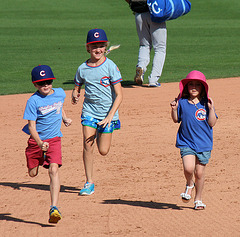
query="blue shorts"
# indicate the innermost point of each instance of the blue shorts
(92, 122)
(203, 157)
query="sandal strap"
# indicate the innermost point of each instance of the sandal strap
(190, 186)
(199, 203)
(186, 195)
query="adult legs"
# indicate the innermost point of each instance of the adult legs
(158, 32)
(143, 30)
(151, 34)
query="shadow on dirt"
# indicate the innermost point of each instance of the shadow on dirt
(150, 204)
(8, 217)
(18, 186)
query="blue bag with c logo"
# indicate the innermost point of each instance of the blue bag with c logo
(164, 10)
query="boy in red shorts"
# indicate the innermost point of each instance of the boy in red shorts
(44, 113)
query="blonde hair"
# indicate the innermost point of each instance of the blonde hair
(105, 44)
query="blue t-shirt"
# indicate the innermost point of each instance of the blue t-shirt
(47, 112)
(194, 130)
(99, 91)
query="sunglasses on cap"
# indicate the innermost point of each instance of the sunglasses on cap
(43, 83)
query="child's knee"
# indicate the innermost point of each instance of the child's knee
(53, 169)
(103, 151)
(199, 174)
(33, 172)
(88, 145)
(189, 170)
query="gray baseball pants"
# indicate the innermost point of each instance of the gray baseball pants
(151, 35)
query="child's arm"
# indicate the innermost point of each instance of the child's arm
(174, 106)
(212, 119)
(34, 134)
(67, 121)
(116, 104)
(76, 94)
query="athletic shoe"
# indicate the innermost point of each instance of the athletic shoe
(156, 84)
(54, 215)
(139, 76)
(87, 190)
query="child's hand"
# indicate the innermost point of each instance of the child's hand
(75, 97)
(210, 103)
(105, 122)
(174, 104)
(67, 121)
(44, 146)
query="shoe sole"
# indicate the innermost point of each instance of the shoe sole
(138, 78)
(154, 85)
(54, 218)
(86, 194)
(185, 200)
(199, 208)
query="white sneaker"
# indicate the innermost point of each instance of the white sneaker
(156, 84)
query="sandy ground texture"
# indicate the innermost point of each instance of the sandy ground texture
(138, 184)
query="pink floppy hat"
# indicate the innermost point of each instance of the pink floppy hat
(193, 75)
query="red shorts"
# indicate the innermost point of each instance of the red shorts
(34, 154)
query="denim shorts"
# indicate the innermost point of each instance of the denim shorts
(203, 157)
(92, 122)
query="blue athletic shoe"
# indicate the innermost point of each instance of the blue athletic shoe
(87, 190)
(156, 84)
(54, 215)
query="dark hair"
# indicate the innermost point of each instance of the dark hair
(185, 93)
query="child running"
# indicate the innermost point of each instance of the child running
(44, 113)
(103, 96)
(195, 110)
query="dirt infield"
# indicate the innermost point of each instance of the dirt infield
(138, 184)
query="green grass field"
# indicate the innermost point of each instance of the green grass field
(54, 33)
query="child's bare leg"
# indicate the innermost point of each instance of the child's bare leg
(199, 180)
(88, 142)
(104, 142)
(189, 167)
(54, 183)
(33, 172)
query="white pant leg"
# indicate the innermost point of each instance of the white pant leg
(151, 34)
(158, 32)
(145, 41)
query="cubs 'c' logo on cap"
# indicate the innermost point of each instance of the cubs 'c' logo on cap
(201, 114)
(42, 73)
(96, 35)
(105, 81)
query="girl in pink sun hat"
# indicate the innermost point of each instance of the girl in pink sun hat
(196, 76)
(195, 112)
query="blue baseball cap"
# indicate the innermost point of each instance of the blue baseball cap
(96, 35)
(42, 73)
